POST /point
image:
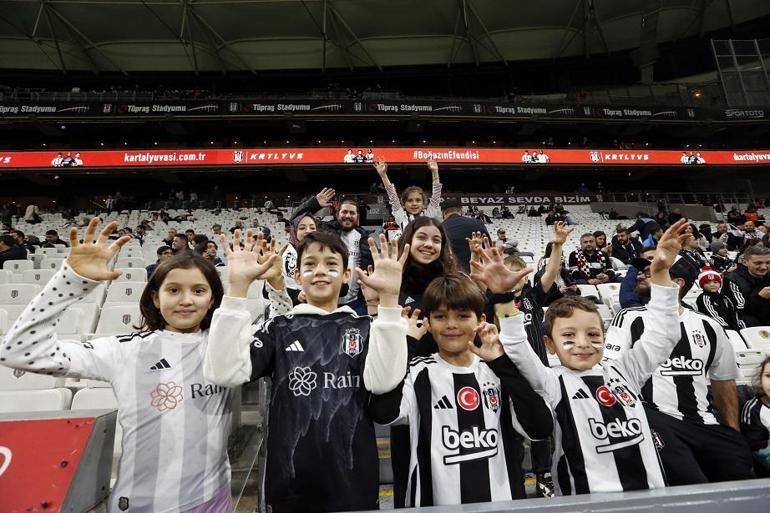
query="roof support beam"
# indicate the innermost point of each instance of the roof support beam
(186, 8)
(496, 50)
(342, 21)
(463, 10)
(648, 40)
(53, 35)
(342, 44)
(324, 35)
(223, 66)
(223, 42)
(454, 41)
(31, 38)
(85, 39)
(564, 42)
(598, 24)
(171, 31)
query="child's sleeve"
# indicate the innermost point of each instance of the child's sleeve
(399, 214)
(386, 357)
(541, 378)
(529, 410)
(754, 431)
(32, 343)
(237, 351)
(661, 334)
(434, 204)
(394, 407)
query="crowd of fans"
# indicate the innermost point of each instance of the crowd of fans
(437, 330)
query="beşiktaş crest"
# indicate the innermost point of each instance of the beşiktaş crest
(351, 342)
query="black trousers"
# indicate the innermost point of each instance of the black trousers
(698, 453)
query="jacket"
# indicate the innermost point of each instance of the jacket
(743, 289)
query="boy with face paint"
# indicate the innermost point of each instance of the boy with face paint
(603, 440)
(324, 362)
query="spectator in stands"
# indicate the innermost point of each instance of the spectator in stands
(199, 244)
(735, 217)
(32, 215)
(413, 201)
(503, 244)
(731, 236)
(210, 254)
(52, 239)
(534, 212)
(675, 215)
(459, 229)
(635, 286)
(354, 236)
(720, 260)
(22, 241)
(163, 253)
(601, 243)
(564, 282)
(644, 224)
(625, 248)
(189, 233)
(691, 249)
(506, 213)
(299, 229)
(588, 265)
(10, 249)
(755, 420)
(749, 286)
(715, 304)
(652, 239)
(180, 244)
(693, 445)
(216, 229)
(170, 234)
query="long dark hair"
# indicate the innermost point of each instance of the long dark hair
(151, 317)
(417, 276)
(293, 240)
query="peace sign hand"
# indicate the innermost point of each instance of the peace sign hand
(90, 259)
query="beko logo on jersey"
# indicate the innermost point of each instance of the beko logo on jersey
(482, 443)
(681, 366)
(618, 433)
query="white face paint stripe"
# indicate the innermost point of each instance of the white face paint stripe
(568, 345)
(333, 273)
(597, 345)
(307, 273)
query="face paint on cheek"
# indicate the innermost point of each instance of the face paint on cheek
(307, 273)
(597, 345)
(333, 273)
(568, 346)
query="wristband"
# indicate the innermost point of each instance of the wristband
(505, 297)
(510, 313)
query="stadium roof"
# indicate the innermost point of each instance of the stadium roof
(253, 35)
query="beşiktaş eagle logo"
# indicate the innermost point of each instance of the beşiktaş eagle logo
(622, 392)
(491, 396)
(302, 381)
(471, 444)
(238, 156)
(682, 366)
(618, 433)
(351, 342)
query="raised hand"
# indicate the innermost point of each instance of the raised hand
(325, 197)
(273, 275)
(433, 166)
(90, 259)
(476, 241)
(560, 233)
(669, 246)
(417, 328)
(388, 267)
(245, 264)
(491, 271)
(491, 347)
(370, 295)
(381, 166)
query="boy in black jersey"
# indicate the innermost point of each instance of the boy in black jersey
(324, 362)
(462, 404)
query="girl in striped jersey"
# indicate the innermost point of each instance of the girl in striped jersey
(755, 420)
(413, 201)
(603, 440)
(175, 424)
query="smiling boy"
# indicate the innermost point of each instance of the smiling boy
(324, 362)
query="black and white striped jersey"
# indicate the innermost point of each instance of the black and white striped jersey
(679, 387)
(463, 424)
(755, 423)
(603, 441)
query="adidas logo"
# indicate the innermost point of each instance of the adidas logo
(295, 346)
(581, 394)
(162, 364)
(408, 300)
(443, 404)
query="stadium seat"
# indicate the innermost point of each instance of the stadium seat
(736, 340)
(5, 276)
(132, 274)
(18, 265)
(97, 295)
(51, 263)
(47, 251)
(37, 276)
(125, 292)
(35, 400)
(748, 362)
(118, 319)
(4, 324)
(18, 293)
(13, 312)
(129, 262)
(77, 321)
(757, 337)
(11, 379)
(589, 290)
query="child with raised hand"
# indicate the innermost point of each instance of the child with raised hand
(603, 440)
(175, 423)
(755, 420)
(324, 362)
(463, 404)
(414, 200)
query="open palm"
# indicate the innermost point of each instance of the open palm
(91, 258)
(492, 272)
(388, 267)
(670, 245)
(246, 264)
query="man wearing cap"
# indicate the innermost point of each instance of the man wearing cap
(715, 304)
(635, 286)
(693, 445)
(749, 286)
(503, 244)
(459, 227)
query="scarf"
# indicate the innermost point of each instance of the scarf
(582, 261)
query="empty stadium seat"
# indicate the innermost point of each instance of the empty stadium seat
(18, 265)
(589, 290)
(129, 262)
(4, 323)
(125, 292)
(11, 379)
(38, 276)
(77, 321)
(118, 319)
(757, 337)
(748, 362)
(51, 263)
(5, 276)
(18, 293)
(132, 274)
(54, 399)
